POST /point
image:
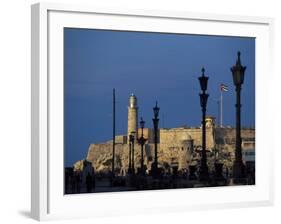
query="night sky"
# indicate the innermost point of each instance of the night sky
(153, 66)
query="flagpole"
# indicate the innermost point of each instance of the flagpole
(221, 105)
(219, 116)
(113, 135)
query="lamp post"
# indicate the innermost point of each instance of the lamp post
(204, 173)
(155, 123)
(113, 137)
(130, 154)
(132, 141)
(238, 78)
(142, 141)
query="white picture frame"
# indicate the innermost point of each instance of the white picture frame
(48, 201)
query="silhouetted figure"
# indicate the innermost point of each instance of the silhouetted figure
(226, 173)
(94, 182)
(89, 183)
(185, 174)
(78, 183)
(192, 172)
(66, 183)
(73, 184)
(218, 174)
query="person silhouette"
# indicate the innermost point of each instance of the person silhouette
(93, 182)
(78, 184)
(73, 183)
(89, 182)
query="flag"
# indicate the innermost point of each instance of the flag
(224, 88)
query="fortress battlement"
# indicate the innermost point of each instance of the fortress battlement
(179, 146)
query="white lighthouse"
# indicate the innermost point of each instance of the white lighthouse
(132, 116)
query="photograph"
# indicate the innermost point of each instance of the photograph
(157, 111)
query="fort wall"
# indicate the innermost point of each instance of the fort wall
(175, 148)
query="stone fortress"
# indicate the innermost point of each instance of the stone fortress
(177, 147)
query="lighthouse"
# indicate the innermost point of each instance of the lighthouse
(133, 116)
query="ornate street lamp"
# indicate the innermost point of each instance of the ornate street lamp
(238, 72)
(142, 141)
(132, 143)
(204, 173)
(130, 154)
(155, 123)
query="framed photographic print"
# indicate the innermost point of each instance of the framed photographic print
(138, 111)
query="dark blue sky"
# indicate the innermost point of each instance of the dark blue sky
(153, 66)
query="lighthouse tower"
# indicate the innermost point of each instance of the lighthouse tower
(132, 116)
